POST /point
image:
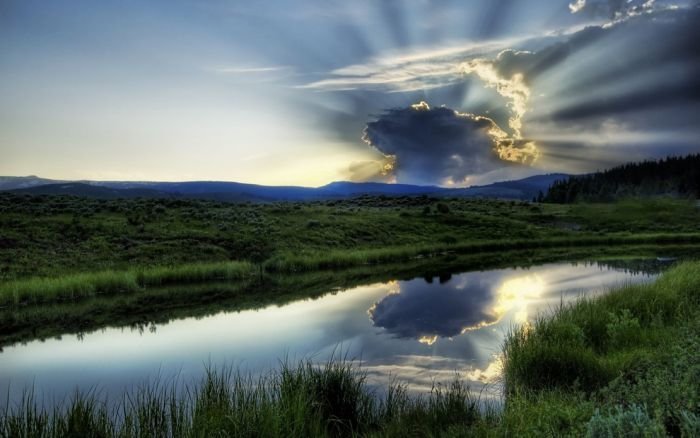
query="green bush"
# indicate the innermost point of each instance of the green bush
(623, 329)
(631, 421)
(442, 208)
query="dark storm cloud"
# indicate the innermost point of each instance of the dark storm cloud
(632, 80)
(425, 310)
(654, 39)
(662, 94)
(440, 145)
(664, 57)
(646, 62)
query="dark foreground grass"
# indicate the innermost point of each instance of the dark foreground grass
(304, 400)
(624, 364)
(625, 361)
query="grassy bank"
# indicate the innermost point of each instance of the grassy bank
(157, 305)
(620, 363)
(623, 364)
(317, 260)
(54, 249)
(39, 290)
(75, 286)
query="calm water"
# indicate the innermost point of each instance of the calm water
(417, 331)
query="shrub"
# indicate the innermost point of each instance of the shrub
(632, 421)
(623, 329)
(690, 424)
(442, 208)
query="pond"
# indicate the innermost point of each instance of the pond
(419, 332)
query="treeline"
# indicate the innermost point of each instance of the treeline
(673, 175)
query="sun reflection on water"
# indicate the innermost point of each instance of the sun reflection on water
(516, 294)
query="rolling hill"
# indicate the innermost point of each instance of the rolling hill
(524, 189)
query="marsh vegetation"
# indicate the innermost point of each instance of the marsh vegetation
(625, 362)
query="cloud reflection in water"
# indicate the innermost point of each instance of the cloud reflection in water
(427, 311)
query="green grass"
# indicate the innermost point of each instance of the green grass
(318, 260)
(57, 236)
(591, 342)
(303, 400)
(630, 356)
(75, 286)
(54, 249)
(623, 364)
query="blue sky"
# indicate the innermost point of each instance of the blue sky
(307, 92)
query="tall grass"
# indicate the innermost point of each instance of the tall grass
(319, 260)
(74, 286)
(303, 400)
(193, 273)
(592, 341)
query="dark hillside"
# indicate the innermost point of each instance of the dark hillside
(677, 176)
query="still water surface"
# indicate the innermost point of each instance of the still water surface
(417, 331)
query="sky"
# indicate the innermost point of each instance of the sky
(306, 92)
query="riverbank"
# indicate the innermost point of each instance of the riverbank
(73, 287)
(57, 249)
(626, 362)
(155, 305)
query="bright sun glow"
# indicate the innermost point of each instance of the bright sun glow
(515, 295)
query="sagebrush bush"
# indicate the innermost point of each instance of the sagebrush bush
(632, 422)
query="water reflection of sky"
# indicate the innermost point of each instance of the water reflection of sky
(417, 331)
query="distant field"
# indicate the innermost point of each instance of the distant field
(50, 236)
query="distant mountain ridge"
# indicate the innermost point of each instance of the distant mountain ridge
(524, 189)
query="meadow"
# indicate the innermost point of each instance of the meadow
(61, 248)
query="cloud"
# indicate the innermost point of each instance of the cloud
(512, 88)
(611, 8)
(650, 63)
(406, 71)
(600, 74)
(424, 312)
(620, 9)
(578, 6)
(555, 97)
(372, 170)
(442, 146)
